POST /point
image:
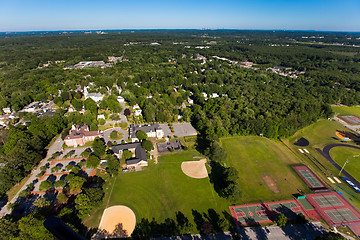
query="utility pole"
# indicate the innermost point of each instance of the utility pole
(343, 166)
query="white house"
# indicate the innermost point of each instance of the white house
(152, 131)
(138, 112)
(6, 110)
(214, 95)
(94, 96)
(120, 99)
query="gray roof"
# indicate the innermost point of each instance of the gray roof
(140, 152)
(132, 161)
(145, 128)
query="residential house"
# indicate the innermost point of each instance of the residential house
(214, 95)
(97, 97)
(152, 131)
(120, 99)
(79, 135)
(6, 110)
(139, 158)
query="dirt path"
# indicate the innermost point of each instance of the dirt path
(270, 183)
(155, 152)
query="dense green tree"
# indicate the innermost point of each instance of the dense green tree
(8, 228)
(45, 185)
(90, 105)
(32, 228)
(146, 144)
(61, 197)
(127, 154)
(113, 165)
(92, 162)
(141, 135)
(98, 147)
(59, 184)
(280, 220)
(83, 205)
(76, 183)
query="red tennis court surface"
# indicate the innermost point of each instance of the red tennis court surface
(310, 178)
(334, 209)
(351, 119)
(265, 212)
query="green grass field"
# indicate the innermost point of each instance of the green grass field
(344, 110)
(257, 157)
(340, 154)
(159, 191)
(319, 134)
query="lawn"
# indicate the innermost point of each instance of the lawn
(340, 154)
(259, 157)
(161, 190)
(344, 110)
(319, 134)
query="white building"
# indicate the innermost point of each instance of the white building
(152, 131)
(138, 112)
(6, 110)
(94, 96)
(120, 99)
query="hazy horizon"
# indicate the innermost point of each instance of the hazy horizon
(306, 15)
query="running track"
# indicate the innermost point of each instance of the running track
(326, 154)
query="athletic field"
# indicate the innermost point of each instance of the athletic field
(159, 191)
(264, 167)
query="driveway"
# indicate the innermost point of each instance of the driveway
(108, 131)
(355, 128)
(122, 116)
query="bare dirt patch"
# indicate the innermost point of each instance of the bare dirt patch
(270, 183)
(195, 169)
(117, 221)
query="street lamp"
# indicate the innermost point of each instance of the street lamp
(343, 166)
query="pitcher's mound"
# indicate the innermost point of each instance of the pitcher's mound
(117, 221)
(195, 169)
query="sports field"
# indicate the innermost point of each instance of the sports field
(264, 167)
(319, 134)
(340, 154)
(159, 191)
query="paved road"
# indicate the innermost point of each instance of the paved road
(122, 116)
(108, 131)
(355, 128)
(55, 147)
(326, 154)
(297, 231)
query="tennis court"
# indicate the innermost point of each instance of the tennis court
(264, 213)
(341, 215)
(250, 214)
(351, 119)
(309, 178)
(328, 201)
(334, 209)
(289, 209)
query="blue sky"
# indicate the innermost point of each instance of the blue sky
(326, 15)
